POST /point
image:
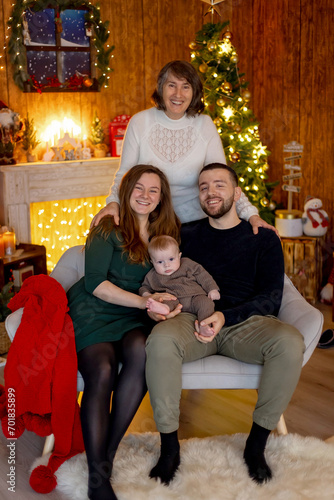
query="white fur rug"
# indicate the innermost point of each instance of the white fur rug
(212, 469)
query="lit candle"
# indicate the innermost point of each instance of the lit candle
(85, 141)
(2, 246)
(9, 242)
(47, 146)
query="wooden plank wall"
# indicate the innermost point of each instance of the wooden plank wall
(285, 49)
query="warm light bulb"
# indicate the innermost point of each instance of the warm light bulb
(228, 112)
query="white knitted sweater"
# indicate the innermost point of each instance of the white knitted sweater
(180, 148)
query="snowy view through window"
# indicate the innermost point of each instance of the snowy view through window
(40, 30)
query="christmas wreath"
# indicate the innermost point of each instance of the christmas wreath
(17, 50)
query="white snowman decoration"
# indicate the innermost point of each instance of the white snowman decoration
(314, 218)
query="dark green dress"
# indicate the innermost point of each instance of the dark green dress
(95, 320)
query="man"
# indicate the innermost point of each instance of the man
(249, 271)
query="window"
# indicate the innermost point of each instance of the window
(59, 47)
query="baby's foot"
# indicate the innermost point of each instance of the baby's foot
(206, 331)
(157, 307)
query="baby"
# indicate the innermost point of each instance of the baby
(193, 286)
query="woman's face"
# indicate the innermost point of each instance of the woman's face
(146, 194)
(177, 94)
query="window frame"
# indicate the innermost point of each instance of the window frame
(100, 52)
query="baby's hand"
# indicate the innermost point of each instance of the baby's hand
(214, 295)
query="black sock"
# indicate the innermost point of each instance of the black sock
(258, 468)
(169, 459)
(100, 489)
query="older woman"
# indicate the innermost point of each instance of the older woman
(108, 318)
(178, 139)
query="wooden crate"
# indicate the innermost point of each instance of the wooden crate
(303, 264)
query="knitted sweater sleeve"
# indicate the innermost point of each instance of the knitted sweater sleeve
(244, 207)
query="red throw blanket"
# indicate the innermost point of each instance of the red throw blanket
(41, 376)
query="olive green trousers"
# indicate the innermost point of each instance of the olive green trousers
(262, 340)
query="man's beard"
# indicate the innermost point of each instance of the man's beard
(224, 207)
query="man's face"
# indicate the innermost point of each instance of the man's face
(216, 192)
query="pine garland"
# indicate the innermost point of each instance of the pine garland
(17, 50)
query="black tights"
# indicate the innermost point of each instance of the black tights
(103, 430)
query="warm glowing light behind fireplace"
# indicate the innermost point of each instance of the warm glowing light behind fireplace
(57, 129)
(59, 225)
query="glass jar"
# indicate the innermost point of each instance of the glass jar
(9, 240)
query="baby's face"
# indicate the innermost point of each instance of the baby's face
(166, 261)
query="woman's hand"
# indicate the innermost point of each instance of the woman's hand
(111, 209)
(160, 317)
(112, 294)
(216, 321)
(256, 222)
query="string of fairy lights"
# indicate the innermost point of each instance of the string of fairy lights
(59, 225)
(3, 50)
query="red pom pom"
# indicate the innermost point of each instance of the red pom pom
(42, 479)
(41, 425)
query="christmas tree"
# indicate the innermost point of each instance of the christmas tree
(226, 100)
(97, 132)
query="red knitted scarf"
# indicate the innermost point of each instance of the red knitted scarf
(41, 376)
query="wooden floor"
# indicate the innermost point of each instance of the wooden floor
(206, 413)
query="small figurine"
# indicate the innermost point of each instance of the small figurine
(314, 218)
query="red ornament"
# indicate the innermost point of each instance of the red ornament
(75, 82)
(36, 85)
(53, 81)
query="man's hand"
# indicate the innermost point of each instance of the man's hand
(216, 321)
(111, 209)
(160, 317)
(256, 222)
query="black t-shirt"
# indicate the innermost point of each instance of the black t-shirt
(248, 268)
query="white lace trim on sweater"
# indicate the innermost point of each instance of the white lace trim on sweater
(172, 145)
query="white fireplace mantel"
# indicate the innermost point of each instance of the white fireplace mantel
(27, 183)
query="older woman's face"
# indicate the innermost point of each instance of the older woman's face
(177, 94)
(146, 194)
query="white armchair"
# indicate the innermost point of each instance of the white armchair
(213, 372)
